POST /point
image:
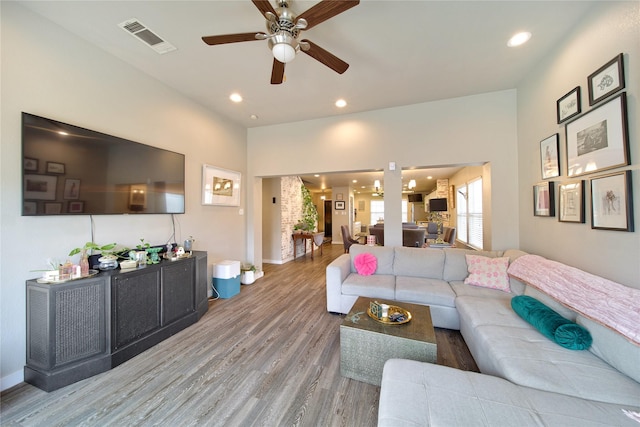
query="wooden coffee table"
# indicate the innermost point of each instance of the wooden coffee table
(366, 344)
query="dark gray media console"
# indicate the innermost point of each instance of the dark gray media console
(83, 327)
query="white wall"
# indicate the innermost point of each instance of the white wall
(611, 28)
(473, 129)
(49, 72)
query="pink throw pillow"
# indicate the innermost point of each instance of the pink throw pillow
(365, 264)
(488, 272)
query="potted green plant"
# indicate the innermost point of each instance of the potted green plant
(309, 212)
(247, 274)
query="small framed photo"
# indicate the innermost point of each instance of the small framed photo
(340, 205)
(76, 207)
(569, 105)
(40, 187)
(571, 201)
(339, 196)
(612, 202)
(30, 164)
(606, 80)
(543, 204)
(220, 186)
(57, 168)
(599, 139)
(549, 157)
(71, 189)
(54, 208)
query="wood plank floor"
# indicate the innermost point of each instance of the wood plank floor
(269, 356)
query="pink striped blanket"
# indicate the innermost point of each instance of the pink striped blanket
(609, 303)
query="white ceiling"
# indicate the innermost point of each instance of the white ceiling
(400, 52)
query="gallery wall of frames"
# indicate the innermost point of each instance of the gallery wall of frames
(596, 151)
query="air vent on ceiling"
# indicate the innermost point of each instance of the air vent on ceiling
(143, 33)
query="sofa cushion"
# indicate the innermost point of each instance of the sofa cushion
(551, 303)
(365, 264)
(467, 290)
(517, 287)
(613, 348)
(374, 286)
(525, 357)
(383, 254)
(425, 291)
(418, 262)
(477, 311)
(424, 394)
(488, 272)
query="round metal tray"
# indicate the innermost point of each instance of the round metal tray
(392, 309)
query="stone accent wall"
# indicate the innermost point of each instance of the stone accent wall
(291, 211)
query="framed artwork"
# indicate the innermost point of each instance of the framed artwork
(571, 201)
(30, 164)
(220, 186)
(612, 202)
(71, 189)
(339, 196)
(57, 168)
(569, 105)
(543, 199)
(361, 205)
(599, 139)
(76, 207)
(29, 208)
(452, 196)
(549, 157)
(53, 208)
(40, 187)
(340, 205)
(606, 80)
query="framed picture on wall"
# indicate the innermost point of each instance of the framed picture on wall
(606, 80)
(220, 186)
(599, 139)
(543, 199)
(569, 105)
(571, 201)
(340, 205)
(612, 202)
(549, 157)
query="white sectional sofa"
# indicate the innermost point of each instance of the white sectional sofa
(526, 378)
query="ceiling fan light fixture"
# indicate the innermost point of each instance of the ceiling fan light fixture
(283, 52)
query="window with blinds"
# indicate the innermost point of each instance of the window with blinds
(469, 213)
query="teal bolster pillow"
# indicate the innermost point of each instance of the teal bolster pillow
(573, 337)
(550, 324)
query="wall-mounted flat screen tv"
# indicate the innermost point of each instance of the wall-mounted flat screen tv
(438, 205)
(69, 170)
(415, 198)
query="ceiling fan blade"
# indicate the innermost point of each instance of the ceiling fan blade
(264, 6)
(327, 58)
(229, 38)
(326, 9)
(277, 72)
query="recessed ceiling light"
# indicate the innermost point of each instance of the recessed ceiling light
(354, 181)
(235, 97)
(341, 103)
(519, 39)
(429, 177)
(316, 175)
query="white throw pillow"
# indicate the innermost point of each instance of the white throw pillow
(488, 272)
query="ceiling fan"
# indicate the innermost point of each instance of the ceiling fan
(284, 29)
